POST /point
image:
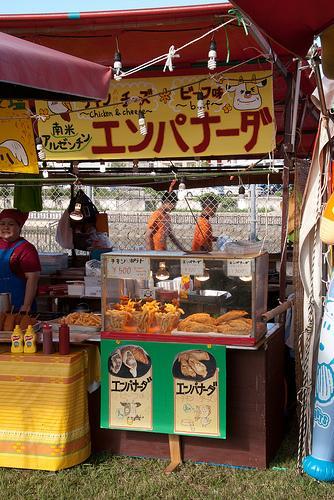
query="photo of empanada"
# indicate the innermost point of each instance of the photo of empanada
(129, 361)
(139, 355)
(187, 370)
(198, 366)
(195, 364)
(200, 355)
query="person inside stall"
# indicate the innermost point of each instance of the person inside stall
(19, 262)
(203, 237)
(159, 226)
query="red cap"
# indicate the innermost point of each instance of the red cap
(17, 215)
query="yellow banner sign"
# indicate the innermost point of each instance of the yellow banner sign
(17, 143)
(237, 118)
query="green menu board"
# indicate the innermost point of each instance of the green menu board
(167, 387)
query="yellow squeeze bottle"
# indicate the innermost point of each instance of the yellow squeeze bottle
(30, 340)
(17, 340)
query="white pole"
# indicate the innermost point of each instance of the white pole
(253, 212)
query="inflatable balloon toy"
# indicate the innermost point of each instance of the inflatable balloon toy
(320, 464)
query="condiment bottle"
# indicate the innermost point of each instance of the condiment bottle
(17, 340)
(48, 347)
(64, 339)
(30, 340)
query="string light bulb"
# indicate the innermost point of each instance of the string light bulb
(212, 55)
(141, 122)
(200, 105)
(242, 191)
(40, 149)
(182, 185)
(162, 273)
(102, 167)
(117, 66)
(242, 203)
(45, 172)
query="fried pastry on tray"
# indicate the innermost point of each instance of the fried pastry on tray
(194, 326)
(200, 318)
(234, 314)
(236, 327)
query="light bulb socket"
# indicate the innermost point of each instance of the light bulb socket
(200, 96)
(117, 57)
(162, 272)
(141, 115)
(213, 45)
(242, 190)
(77, 213)
(38, 141)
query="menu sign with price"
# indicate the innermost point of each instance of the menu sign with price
(128, 267)
(192, 267)
(239, 267)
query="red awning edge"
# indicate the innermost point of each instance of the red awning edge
(34, 66)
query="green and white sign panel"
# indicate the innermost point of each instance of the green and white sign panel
(172, 388)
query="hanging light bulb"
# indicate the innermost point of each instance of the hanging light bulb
(102, 167)
(142, 123)
(182, 185)
(151, 166)
(212, 55)
(242, 191)
(245, 278)
(45, 172)
(135, 168)
(162, 273)
(40, 149)
(205, 276)
(200, 105)
(117, 66)
(77, 213)
(242, 203)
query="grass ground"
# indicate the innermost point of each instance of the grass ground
(106, 477)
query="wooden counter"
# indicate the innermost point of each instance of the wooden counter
(255, 414)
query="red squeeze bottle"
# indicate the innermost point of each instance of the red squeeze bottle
(64, 339)
(48, 347)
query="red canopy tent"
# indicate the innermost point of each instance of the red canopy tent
(145, 34)
(28, 70)
(292, 24)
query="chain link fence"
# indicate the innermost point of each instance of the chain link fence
(249, 213)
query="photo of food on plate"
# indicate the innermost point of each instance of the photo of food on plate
(194, 365)
(129, 361)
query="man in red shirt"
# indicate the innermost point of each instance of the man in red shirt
(19, 262)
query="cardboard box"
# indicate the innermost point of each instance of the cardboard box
(92, 281)
(92, 291)
(76, 288)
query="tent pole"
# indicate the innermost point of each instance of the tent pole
(285, 194)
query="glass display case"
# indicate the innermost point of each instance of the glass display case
(184, 294)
